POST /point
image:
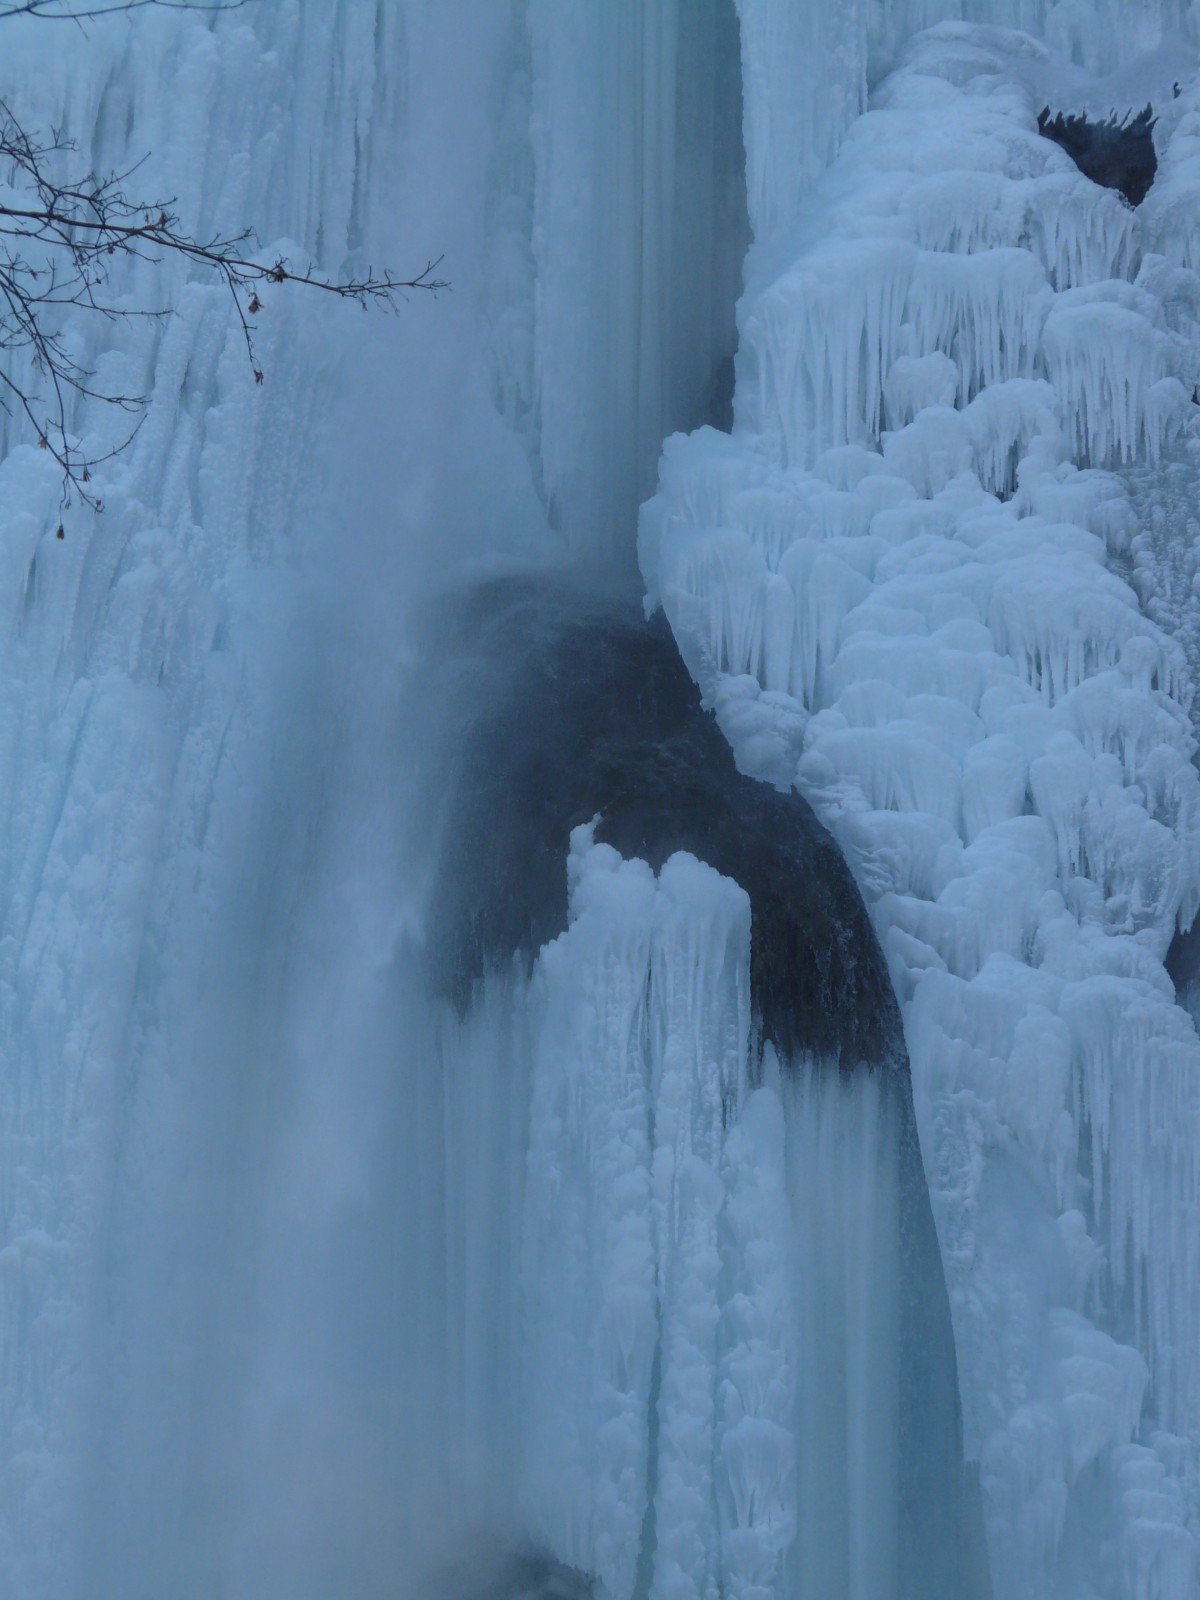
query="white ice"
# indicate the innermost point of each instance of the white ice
(913, 533)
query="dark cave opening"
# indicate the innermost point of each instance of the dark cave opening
(1113, 153)
(1183, 968)
(576, 706)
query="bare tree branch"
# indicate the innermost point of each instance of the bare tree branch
(59, 236)
(65, 11)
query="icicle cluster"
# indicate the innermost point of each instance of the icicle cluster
(895, 574)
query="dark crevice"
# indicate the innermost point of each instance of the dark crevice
(1118, 155)
(1183, 967)
(525, 1575)
(595, 713)
(717, 411)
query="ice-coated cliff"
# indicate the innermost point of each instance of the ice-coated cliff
(909, 560)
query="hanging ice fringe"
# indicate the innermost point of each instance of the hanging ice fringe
(907, 549)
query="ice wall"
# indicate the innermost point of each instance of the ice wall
(200, 993)
(637, 233)
(807, 70)
(207, 1381)
(907, 549)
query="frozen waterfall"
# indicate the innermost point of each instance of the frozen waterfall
(588, 873)
(908, 563)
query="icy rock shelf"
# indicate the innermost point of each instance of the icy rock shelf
(894, 581)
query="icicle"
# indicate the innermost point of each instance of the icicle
(986, 311)
(756, 1468)
(1107, 361)
(996, 733)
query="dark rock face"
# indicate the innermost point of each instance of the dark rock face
(527, 1575)
(1118, 155)
(1183, 968)
(596, 713)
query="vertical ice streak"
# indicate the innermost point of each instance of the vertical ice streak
(756, 1461)
(845, 1202)
(638, 234)
(589, 1260)
(700, 1022)
(640, 1049)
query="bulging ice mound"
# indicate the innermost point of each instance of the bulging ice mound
(579, 709)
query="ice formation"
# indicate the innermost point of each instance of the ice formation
(315, 1283)
(568, 707)
(746, 1266)
(909, 541)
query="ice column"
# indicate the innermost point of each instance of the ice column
(658, 1340)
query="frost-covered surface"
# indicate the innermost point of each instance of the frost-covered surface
(1165, 549)
(899, 569)
(807, 69)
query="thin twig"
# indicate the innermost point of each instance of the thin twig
(57, 243)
